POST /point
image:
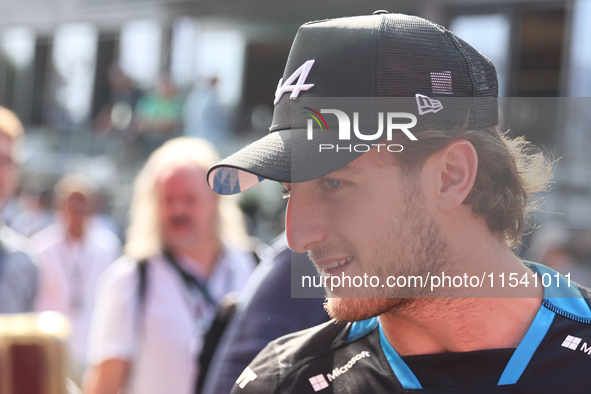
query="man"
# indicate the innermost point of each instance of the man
(391, 217)
(185, 250)
(264, 312)
(18, 273)
(72, 254)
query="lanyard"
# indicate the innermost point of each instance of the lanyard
(190, 281)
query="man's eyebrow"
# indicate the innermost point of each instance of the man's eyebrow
(350, 170)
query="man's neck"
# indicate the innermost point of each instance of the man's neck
(204, 255)
(74, 236)
(433, 326)
(472, 322)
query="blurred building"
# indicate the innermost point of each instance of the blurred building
(55, 56)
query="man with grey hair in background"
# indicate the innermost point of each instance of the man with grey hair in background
(186, 249)
(18, 273)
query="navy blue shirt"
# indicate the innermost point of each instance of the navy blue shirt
(554, 356)
(265, 313)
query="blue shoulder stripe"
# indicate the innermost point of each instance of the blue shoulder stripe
(405, 376)
(527, 347)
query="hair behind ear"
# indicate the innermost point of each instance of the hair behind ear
(508, 177)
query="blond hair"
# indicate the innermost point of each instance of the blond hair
(143, 235)
(509, 176)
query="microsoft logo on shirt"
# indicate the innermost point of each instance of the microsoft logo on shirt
(318, 382)
(572, 343)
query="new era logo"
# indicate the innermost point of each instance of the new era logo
(318, 382)
(246, 377)
(571, 342)
(426, 104)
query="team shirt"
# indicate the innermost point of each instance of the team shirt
(554, 356)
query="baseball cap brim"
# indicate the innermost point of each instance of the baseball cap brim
(282, 156)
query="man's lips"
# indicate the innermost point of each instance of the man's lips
(331, 265)
(179, 223)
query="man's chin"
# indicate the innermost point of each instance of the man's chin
(356, 309)
(180, 241)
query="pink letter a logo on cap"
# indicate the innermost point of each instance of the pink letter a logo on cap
(301, 74)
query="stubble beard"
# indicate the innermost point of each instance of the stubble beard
(412, 245)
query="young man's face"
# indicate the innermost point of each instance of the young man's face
(187, 207)
(366, 218)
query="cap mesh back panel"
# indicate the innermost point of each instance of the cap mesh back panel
(416, 56)
(485, 84)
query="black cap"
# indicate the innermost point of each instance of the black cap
(380, 55)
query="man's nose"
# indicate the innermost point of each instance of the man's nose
(304, 222)
(176, 206)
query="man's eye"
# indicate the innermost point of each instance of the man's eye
(333, 183)
(286, 193)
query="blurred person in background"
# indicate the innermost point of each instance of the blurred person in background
(203, 115)
(117, 112)
(186, 249)
(264, 312)
(72, 253)
(35, 214)
(159, 117)
(160, 111)
(18, 272)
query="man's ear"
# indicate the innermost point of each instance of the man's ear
(458, 163)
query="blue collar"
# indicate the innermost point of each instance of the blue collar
(563, 295)
(559, 298)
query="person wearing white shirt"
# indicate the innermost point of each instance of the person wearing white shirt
(72, 253)
(193, 249)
